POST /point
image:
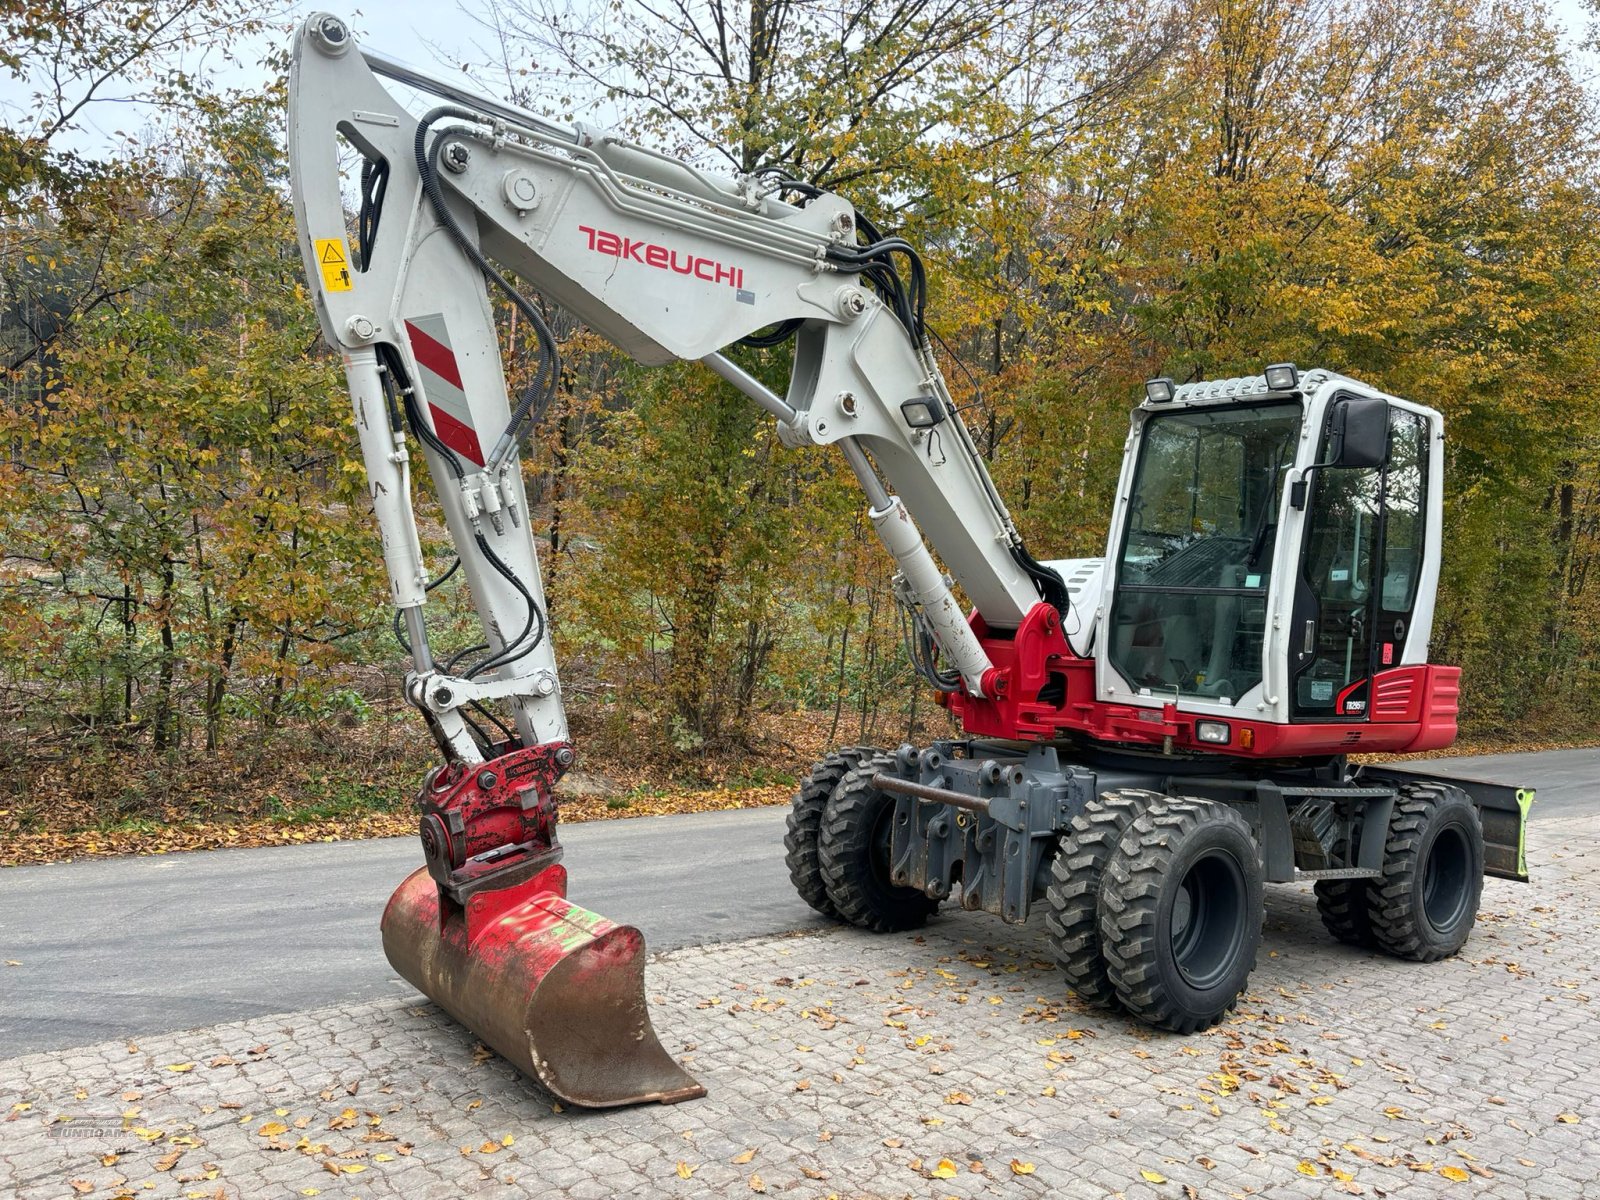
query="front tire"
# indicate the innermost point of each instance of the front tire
(805, 820)
(1073, 894)
(1425, 904)
(1181, 913)
(853, 855)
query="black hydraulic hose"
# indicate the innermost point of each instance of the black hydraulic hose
(374, 186)
(504, 657)
(547, 378)
(1052, 590)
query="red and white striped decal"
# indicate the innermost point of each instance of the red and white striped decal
(441, 384)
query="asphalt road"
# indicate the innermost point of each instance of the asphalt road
(117, 947)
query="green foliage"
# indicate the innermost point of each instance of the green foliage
(176, 507)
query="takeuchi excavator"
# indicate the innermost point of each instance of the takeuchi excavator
(1146, 737)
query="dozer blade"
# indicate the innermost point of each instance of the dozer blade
(554, 988)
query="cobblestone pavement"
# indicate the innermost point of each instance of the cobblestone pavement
(945, 1064)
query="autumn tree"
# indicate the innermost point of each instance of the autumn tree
(175, 499)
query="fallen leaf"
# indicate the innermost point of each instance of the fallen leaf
(1018, 1167)
(1567, 1118)
(945, 1170)
(741, 1159)
(180, 1068)
(82, 1186)
(958, 1098)
(1454, 1174)
(311, 1191)
(167, 1161)
(812, 1173)
(508, 1140)
(489, 1148)
(803, 1086)
(1306, 1168)
(221, 1060)
(272, 1129)
(1153, 1176)
(684, 1170)
(756, 1183)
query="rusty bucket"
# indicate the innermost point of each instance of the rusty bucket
(554, 988)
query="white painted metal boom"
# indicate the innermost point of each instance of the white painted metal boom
(667, 263)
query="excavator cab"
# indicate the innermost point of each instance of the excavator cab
(1247, 501)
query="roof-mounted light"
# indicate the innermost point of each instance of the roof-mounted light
(1283, 377)
(1160, 390)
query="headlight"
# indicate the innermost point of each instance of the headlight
(1215, 732)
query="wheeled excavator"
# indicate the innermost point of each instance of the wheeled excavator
(1147, 737)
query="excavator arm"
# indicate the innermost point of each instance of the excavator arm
(668, 263)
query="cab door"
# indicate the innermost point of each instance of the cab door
(1357, 585)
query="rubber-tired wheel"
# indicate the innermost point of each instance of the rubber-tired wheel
(853, 854)
(1426, 902)
(805, 818)
(1342, 905)
(1181, 912)
(1073, 894)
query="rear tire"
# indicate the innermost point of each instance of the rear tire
(1181, 912)
(805, 819)
(1342, 905)
(853, 855)
(1424, 906)
(1073, 894)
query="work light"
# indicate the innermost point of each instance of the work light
(922, 412)
(1282, 377)
(1160, 390)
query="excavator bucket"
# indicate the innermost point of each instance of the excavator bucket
(554, 988)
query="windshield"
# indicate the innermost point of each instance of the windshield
(1190, 610)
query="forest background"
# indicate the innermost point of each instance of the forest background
(192, 616)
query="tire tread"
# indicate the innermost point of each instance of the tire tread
(804, 821)
(1077, 871)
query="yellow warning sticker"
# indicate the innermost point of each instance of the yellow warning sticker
(334, 260)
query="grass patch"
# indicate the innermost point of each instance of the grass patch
(336, 800)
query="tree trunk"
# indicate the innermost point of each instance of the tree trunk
(163, 721)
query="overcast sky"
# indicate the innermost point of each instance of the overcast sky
(438, 36)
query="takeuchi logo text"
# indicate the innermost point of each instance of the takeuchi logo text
(663, 258)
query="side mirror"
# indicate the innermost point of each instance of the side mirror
(1359, 432)
(1358, 436)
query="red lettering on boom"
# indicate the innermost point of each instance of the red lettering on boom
(662, 258)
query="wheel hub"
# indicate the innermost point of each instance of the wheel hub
(1208, 925)
(1446, 880)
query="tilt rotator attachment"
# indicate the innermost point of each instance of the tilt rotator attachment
(484, 930)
